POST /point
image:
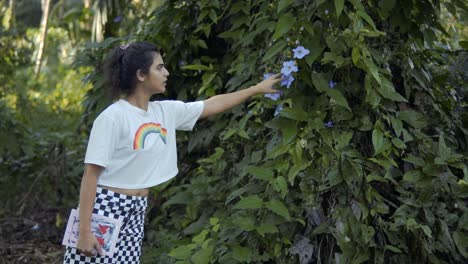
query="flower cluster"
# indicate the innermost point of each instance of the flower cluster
(287, 78)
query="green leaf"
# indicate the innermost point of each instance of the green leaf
(378, 141)
(343, 139)
(243, 134)
(181, 252)
(244, 189)
(295, 113)
(397, 125)
(283, 4)
(355, 55)
(373, 70)
(278, 150)
(207, 78)
(200, 237)
(322, 228)
(267, 228)
(196, 67)
(413, 118)
(296, 169)
(275, 49)
(278, 208)
(237, 34)
(319, 82)
(393, 249)
(357, 4)
(374, 177)
(426, 230)
(285, 23)
(398, 143)
(213, 158)
(316, 49)
(367, 18)
(287, 126)
(371, 95)
(242, 254)
(249, 202)
(203, 255)
(280, 185)
(387, 90)
(261, 173)
(339, 98)
(179, 198)
(367, 232)
(443, 151)
(339, 4)
(214, 221)
(461, 240)
(412, 176)
(415, 160)
(245, 223)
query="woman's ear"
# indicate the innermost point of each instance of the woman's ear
(140, 76)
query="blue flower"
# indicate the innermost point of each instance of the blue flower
(117, 19)
(267, 75)
(273, 96)
(289, 67)
(300, 52)
(287, 80)
(278, 109)
(331, 84)
(329, 124)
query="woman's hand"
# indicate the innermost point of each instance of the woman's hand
(266, 86)
(88, 244)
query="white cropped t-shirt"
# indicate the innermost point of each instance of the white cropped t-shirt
(137, 148)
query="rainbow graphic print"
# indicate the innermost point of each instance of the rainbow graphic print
(144, 130)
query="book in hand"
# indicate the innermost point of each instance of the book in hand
(105, 229)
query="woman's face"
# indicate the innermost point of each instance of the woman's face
(156, 79)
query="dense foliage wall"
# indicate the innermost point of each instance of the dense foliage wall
(362, 159)
(41, 144)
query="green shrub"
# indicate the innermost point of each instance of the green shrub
(366, 161)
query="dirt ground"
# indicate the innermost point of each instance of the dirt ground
(30, 241)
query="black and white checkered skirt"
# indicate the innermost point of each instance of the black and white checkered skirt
(131, 209)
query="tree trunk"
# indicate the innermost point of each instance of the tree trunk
(42, 37)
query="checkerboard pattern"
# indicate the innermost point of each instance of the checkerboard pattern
(131, 209)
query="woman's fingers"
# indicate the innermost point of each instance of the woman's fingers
(91, 252)
(87, 252)
(277, 77)
(98, 249)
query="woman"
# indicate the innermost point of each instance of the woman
(132, 147)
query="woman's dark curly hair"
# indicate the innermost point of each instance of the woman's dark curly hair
(123, 62)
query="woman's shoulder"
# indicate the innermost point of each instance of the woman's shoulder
(167, 104)
(113, 111)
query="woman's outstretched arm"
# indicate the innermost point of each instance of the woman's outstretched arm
(220, 103)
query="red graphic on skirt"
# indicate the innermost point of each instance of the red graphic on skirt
(100, 240)
(103, 229)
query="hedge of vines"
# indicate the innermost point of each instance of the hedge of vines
(362, 159)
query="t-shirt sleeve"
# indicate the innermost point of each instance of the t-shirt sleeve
(102, 141)
(187, 114)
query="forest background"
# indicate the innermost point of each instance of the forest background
(363, 158)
